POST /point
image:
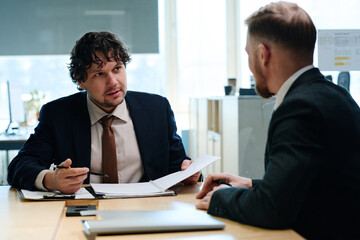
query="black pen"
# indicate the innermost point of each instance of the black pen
(93, 173)
(59, 196)
(221, 182)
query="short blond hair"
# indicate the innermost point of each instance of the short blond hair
(286, 24)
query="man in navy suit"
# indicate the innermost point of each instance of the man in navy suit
(312, 158)
(69, 132)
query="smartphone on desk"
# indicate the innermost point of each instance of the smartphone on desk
(75, 210)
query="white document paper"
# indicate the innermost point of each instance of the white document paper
(39, 195)
(158, 187)
(174, 178)
(155, 187)
(125, 188)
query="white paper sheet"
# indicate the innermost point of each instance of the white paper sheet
(174, 178)
(157, 186)
(39, 195)
(125, 188)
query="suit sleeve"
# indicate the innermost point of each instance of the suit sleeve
(293, 162)
(36, 155)
(176, 148)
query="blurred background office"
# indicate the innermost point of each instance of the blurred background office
(181, 49)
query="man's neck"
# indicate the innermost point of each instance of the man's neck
(284, 71)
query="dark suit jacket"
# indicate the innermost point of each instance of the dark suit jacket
(312, 166)
(64, 132)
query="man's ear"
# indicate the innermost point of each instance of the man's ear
(264, 54)
(81, 84)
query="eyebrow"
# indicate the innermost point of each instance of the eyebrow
(94, 70)
(119, 64)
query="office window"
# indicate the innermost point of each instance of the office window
(201, 38)
(48, 74)
(41, 27)
(326, 14)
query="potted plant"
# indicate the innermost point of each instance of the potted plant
(33, 106)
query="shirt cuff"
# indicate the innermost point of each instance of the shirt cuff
(39, 180)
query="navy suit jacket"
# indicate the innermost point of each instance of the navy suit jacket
(312, 166)
(64, 132)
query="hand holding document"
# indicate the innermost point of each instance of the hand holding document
(153, 188)
(158, 187)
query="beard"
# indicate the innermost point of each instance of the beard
(260, 83)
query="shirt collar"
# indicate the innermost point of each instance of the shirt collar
(287, 84)
(97, 113)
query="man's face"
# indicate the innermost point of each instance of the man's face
(106, 86)
(252, 50)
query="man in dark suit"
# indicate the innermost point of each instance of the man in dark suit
(312, 159)
(70, 129)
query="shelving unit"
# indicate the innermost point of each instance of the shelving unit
(234, 128)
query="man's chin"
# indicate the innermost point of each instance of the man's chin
(264, 93)
(115, 102)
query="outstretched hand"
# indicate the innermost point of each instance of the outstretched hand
(210, 186)
(204, 203)
(192, 179)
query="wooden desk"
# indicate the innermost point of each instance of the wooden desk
(28, 220)
(46, 220)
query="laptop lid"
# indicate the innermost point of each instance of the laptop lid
(134, 221)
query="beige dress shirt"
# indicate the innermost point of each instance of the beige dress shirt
(130, 168)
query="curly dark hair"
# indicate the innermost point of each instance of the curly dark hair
(83, 55)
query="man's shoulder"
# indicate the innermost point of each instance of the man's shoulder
(314, 94)
(71, 103)
(70, 99)
(136, 94)
(146, 101)
(143, 97)
(313, 87)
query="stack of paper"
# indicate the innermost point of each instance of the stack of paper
(158, 187)
(153, 188)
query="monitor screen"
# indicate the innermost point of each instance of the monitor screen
(16, 105)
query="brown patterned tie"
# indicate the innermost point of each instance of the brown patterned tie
(109, 161)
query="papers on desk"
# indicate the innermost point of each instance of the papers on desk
(42, 195)
(158, 187)
(153, 188)
(129, 190)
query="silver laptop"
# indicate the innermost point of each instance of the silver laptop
(133, 221)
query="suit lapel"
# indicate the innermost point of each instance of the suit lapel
(142, 127)
(82, 132)
(304, 78)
